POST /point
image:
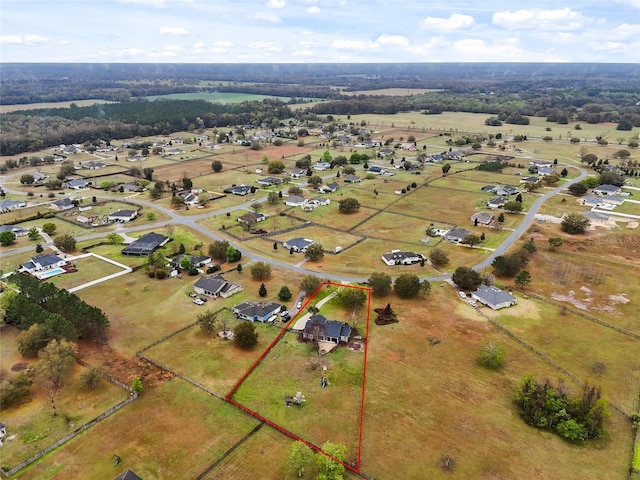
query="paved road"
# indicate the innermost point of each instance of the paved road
(191, 222)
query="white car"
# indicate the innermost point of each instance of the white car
(197, 301)
(462, 295)
(472, 303)
(299, 305)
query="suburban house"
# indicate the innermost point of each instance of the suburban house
(295, 201)
(39, 177)
(15, 229)
(122, 216)
(136, 158)
(318, 201)
(375, 169)
(250, 218)
(322, 330)
(256, 311)
(352, 179)
(612, 200)
(497, 202)
(607, 189)
(385, 152)
(216, 286)
(298, 172)
(69, 149)
(411, 147)
(8, 205)
(64, 204)
(505, 190)
(130, 187)
(42, 262)
(545, 170)
(77, 184)
(189, 198)
(435, 158)
(195, 261)
(94, 165)
(146, 245)
(322, 166)
(493, 297)
(269, 181)
(241, 190)
(298, 244)
(590, 201)
(3, 432)
(457, 235)
(396, 257)
(172, 151)
(598, 219)
(482, 218)
(488, 188)
(329, 188)
(529, 179)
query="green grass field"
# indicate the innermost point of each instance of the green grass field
(217, 97)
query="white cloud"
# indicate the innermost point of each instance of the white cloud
(392, 40)
(199, 45)
(453, 23)
(26, 40)
(173, 31)
(506, 49)
(154, 3)
(631, 3)
(15, 39)
(266, 46)
(173, 48)
(129, 52)
(222, 44)
(302, 53)
(625, 31)
(307, 44)
(276, 4)
(313, 10)
(268, 17)
(349, 44)
(565, 19)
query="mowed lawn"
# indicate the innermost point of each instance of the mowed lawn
(89, 268)
(197, 430)
(425, 401)
(215, 363)
(288, 369)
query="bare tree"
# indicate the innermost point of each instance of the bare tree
(54, 366)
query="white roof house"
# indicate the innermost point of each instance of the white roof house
(493, 297)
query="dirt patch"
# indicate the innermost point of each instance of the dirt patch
(120, 367)
(18, 367)
(582, 304)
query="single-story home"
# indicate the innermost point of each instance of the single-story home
(122, 216)
(323, 330)
(598, 219)
(189, 198)
(352, 179)
(298, 172)
(194, 260)
(241, 190)
(216, 286)
(375, 169)
(493, 297)
(250, 218)
(385, 152)
(42, 262)
(545, 170)
(63, 204)
(318, 201)
(505, 190)
(94, 165)
(77, 184)
(17, 230)
(322, 166)
(457, 235)
(529, 179)
(298, 244)
(482, 218)
(172, 151)
(329, 188)
(612, 200)
(397, 257)
(590, 201)
(269, 181)
(146, 245)
(295, 201)
(136, 158)
(8, 205)
(256, 311)
(70, 149)
(488, 188)
(607, 189)
(39, 177)
(130, 187)
(497, 202)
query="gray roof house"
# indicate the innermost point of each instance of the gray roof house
(128, 475)
(457, 235)
(322, 166)
(505, 190)
(146, 245)
(493, 297)
(298, 244)
(598, 219)
(251, 217)
(7, 205)
(269, 181)
(295, 201)
(122, 216)
(607, 189)
(496, 202)
(42, 262)
(352, 179)
(17, 230)
(241, 190)
(329, 188)
(396, 257)
(64, 204)
(77, 184)
(326, 330)
(298, 172)
(256, 311)
(482, 218)
(612, 199)
(194, 260)
(216, 286)
(590, 201)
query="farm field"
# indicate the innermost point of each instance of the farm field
(217, 97)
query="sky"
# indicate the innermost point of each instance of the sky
(319, 31)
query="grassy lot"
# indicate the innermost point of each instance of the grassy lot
(449, 403)
(287, 370)
(35, 427)
(393, 226)
(200, 434)
(114, 253)
(89, 268)
(217, 97)
(9, 354)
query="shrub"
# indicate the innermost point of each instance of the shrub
(491, 356)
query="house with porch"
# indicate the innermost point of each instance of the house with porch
(607, 189)
(295, 201)
(250, 218)
(42, 262)
(298, 244)
(329, 188)
(482, 218)
(397, 257)
(320, 329)
(63, 204)
(493, 297)
(146, 245)
(457, 235)
(257, 311)
(216, 286)
(122, 216)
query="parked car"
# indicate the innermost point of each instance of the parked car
(462, 295)
(472, 303)
(202, 299)
(299, 305)
(192, 294)
(197, 301)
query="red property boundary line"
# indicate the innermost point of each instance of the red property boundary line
(229, 396)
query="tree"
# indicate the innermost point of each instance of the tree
(207, 322)
(310, 283)
(284, 295)
(262, 291)
(273, 198)
(65, 242)
(39, 248)
(299, 459)
(246, 336)
(31, 341)
(14, 391)
(294, 190)
(7, 238)
(491, 356)
(148, 173)
(33, 234)
(348, 205)
(352, 298)
(523, 279)
(407, 285)
(27, 179)
(445, 168)
(513, 206)
(136, 385)
(218, 249)
(91, 378)
(466, 278)
(260, 270)
(55, 363)
(49, 228)
(611, 178)
(275, 166)
(187, 183)
(329, 468)
(577, 189)
(471, 240)
(509, 264)
(574, 223)
(315, 181)
(216, 166)
(564, 173)
(239, 268)
(114, 238)
(314, 252)
(554, 242)
(233, 255)
(438, 257)
(551, 179)
(380, 284)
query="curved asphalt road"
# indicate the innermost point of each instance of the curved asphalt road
(190, 221)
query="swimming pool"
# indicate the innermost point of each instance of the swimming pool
(49, 273)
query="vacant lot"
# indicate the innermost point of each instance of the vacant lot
(89, 268)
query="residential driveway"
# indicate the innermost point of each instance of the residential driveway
(302, 321)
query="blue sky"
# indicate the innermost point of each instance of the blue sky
(317, 31)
